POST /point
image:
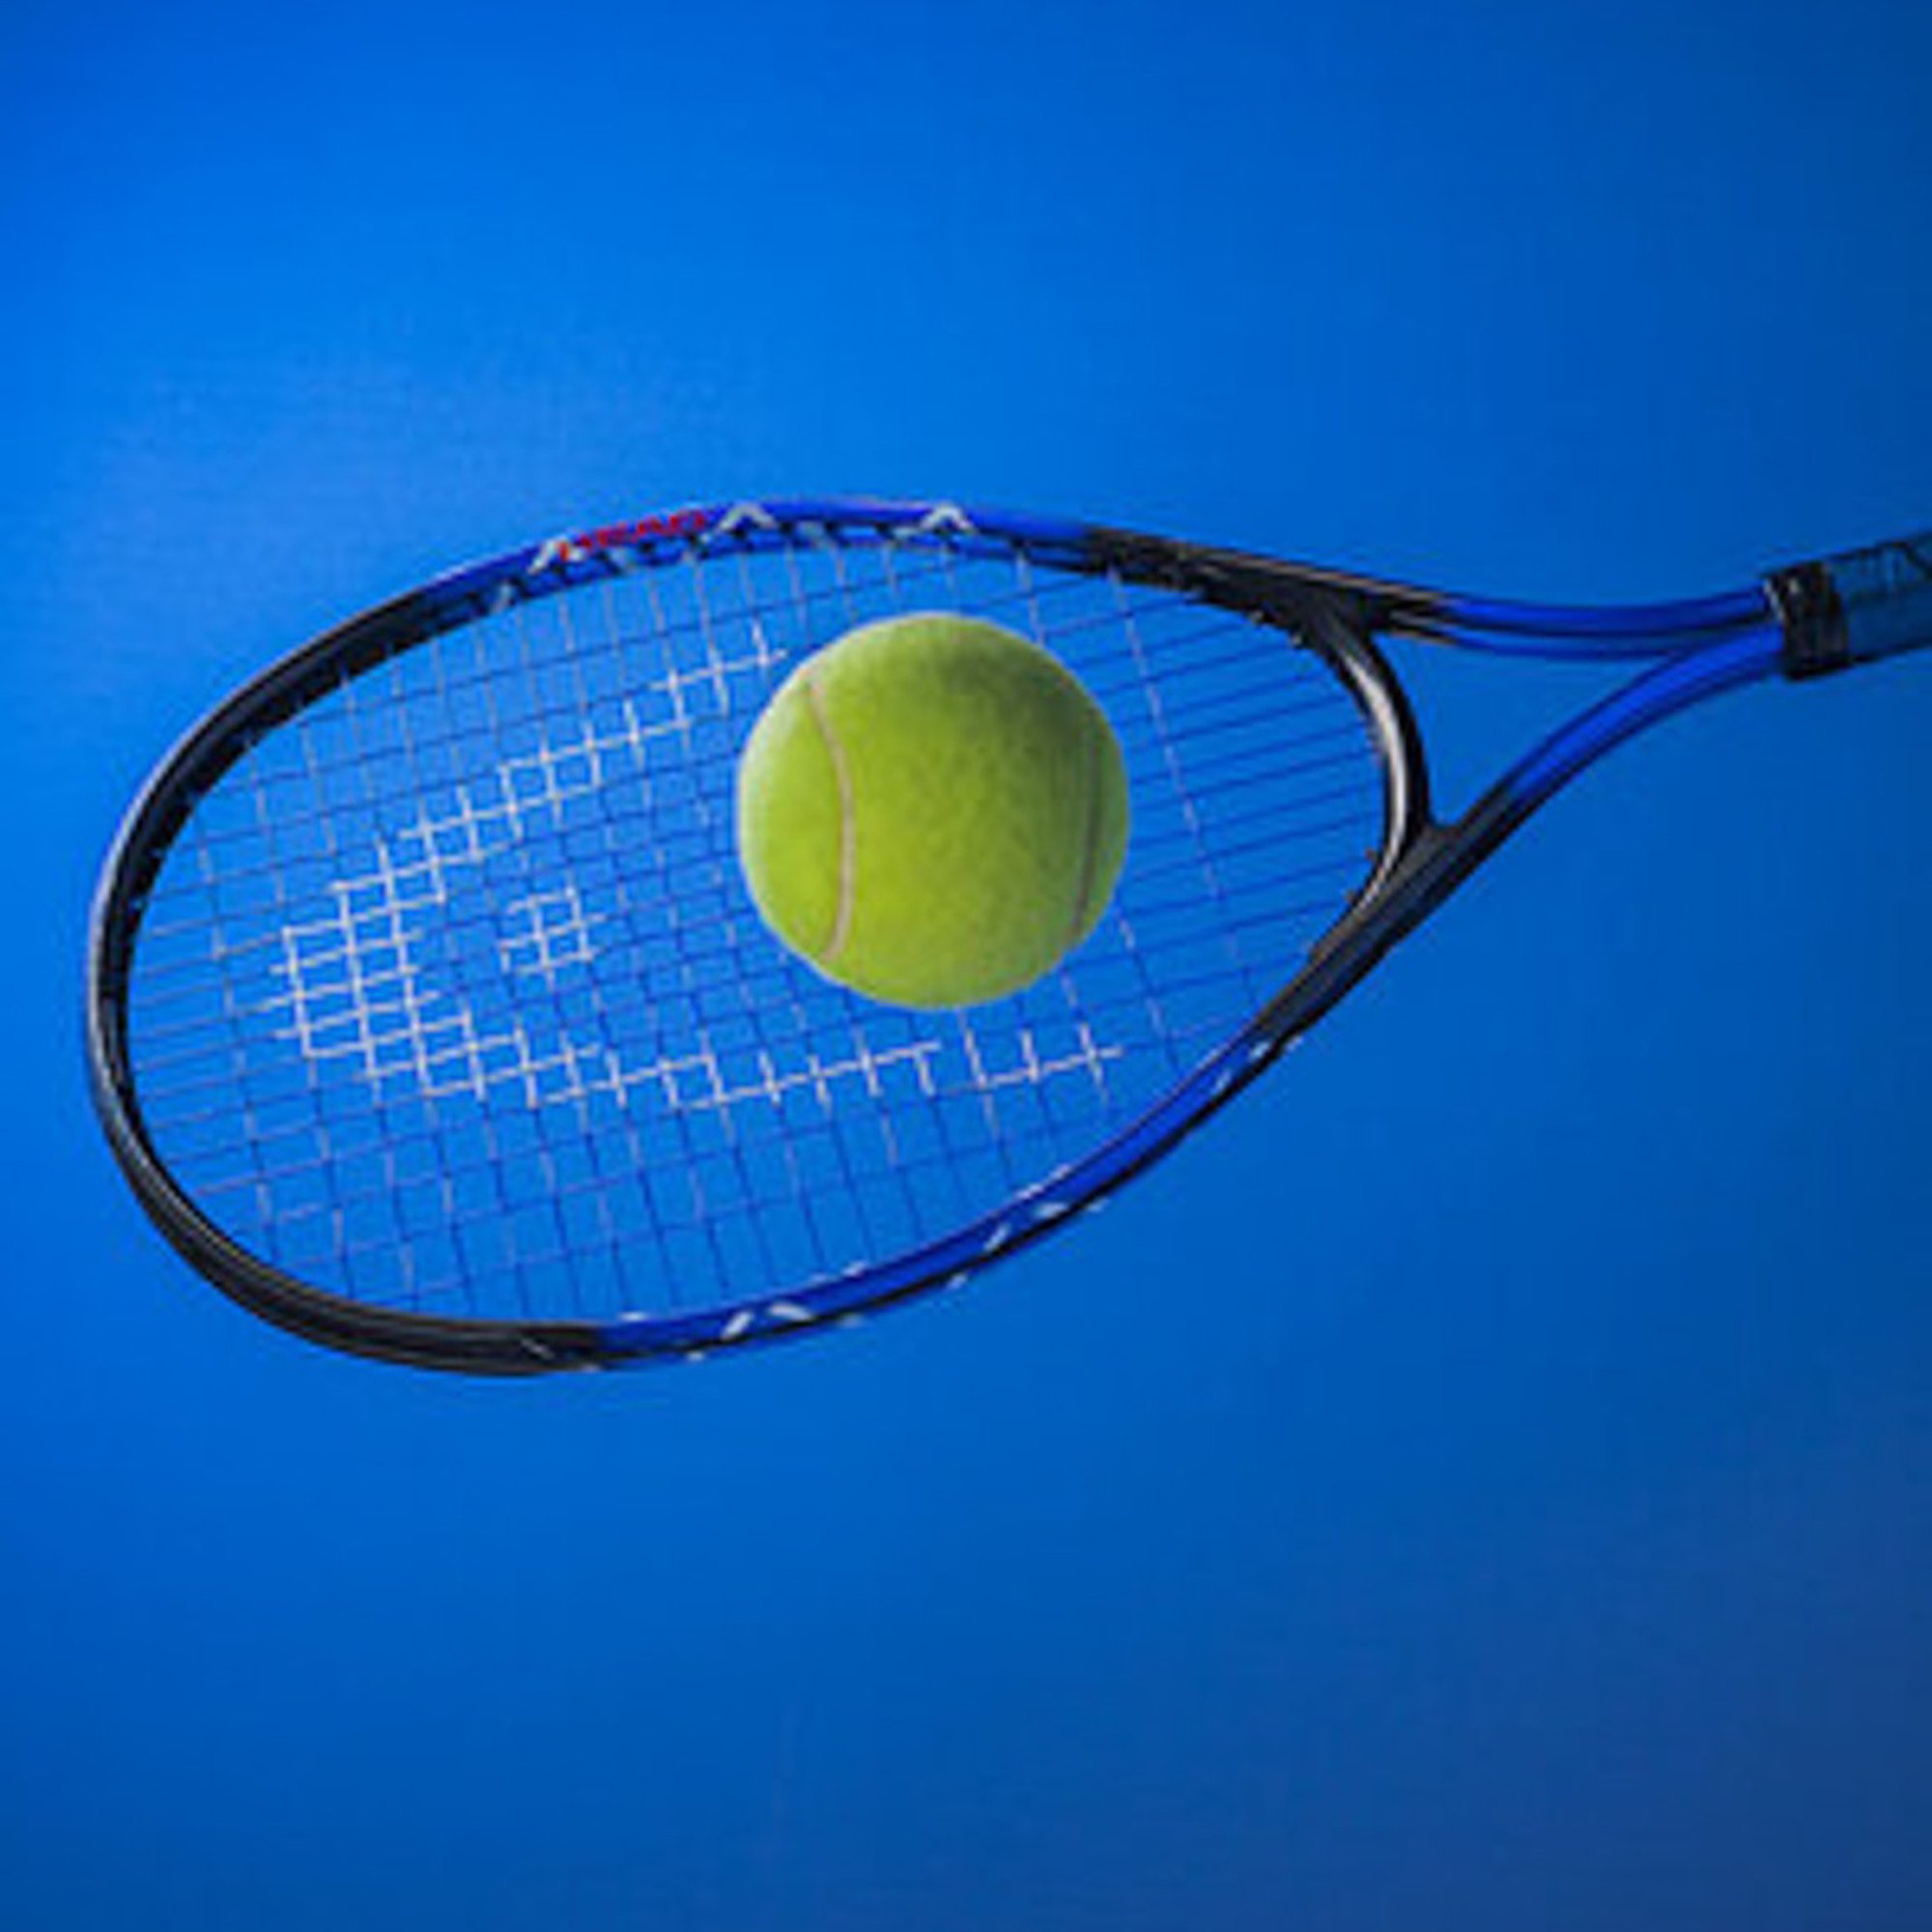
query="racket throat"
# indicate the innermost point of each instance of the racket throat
(1436, 860)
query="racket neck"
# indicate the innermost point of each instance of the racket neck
(1442, 855)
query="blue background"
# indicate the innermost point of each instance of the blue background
(1484, 1479)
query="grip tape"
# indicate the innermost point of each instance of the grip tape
(1852, 609)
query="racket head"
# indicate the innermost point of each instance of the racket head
(428, 1016)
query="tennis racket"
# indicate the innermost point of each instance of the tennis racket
(429, 1017)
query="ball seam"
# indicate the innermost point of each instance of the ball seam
(842, 777)
(1090, 848)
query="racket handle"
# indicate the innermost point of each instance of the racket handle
(1853, 608)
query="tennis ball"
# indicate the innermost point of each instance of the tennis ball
(931, 810)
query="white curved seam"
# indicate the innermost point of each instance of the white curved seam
(842, 924)
(1091, 849)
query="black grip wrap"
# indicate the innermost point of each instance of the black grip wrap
(1808, 606)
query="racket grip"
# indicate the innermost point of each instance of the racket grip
(1886, 595)
(1857, 606)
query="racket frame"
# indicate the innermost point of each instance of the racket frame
(1791, 625)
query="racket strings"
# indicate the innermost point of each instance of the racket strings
(365, 953)
(476, 701)
(409, 866)
(448, 996)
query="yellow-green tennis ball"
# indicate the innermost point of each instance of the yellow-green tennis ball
(932, 811)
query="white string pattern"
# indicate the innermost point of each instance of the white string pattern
(449, 997)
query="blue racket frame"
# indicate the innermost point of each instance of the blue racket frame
(1797, 623)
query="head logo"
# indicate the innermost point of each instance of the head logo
(640, 533)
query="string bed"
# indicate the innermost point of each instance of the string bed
(448, 995)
